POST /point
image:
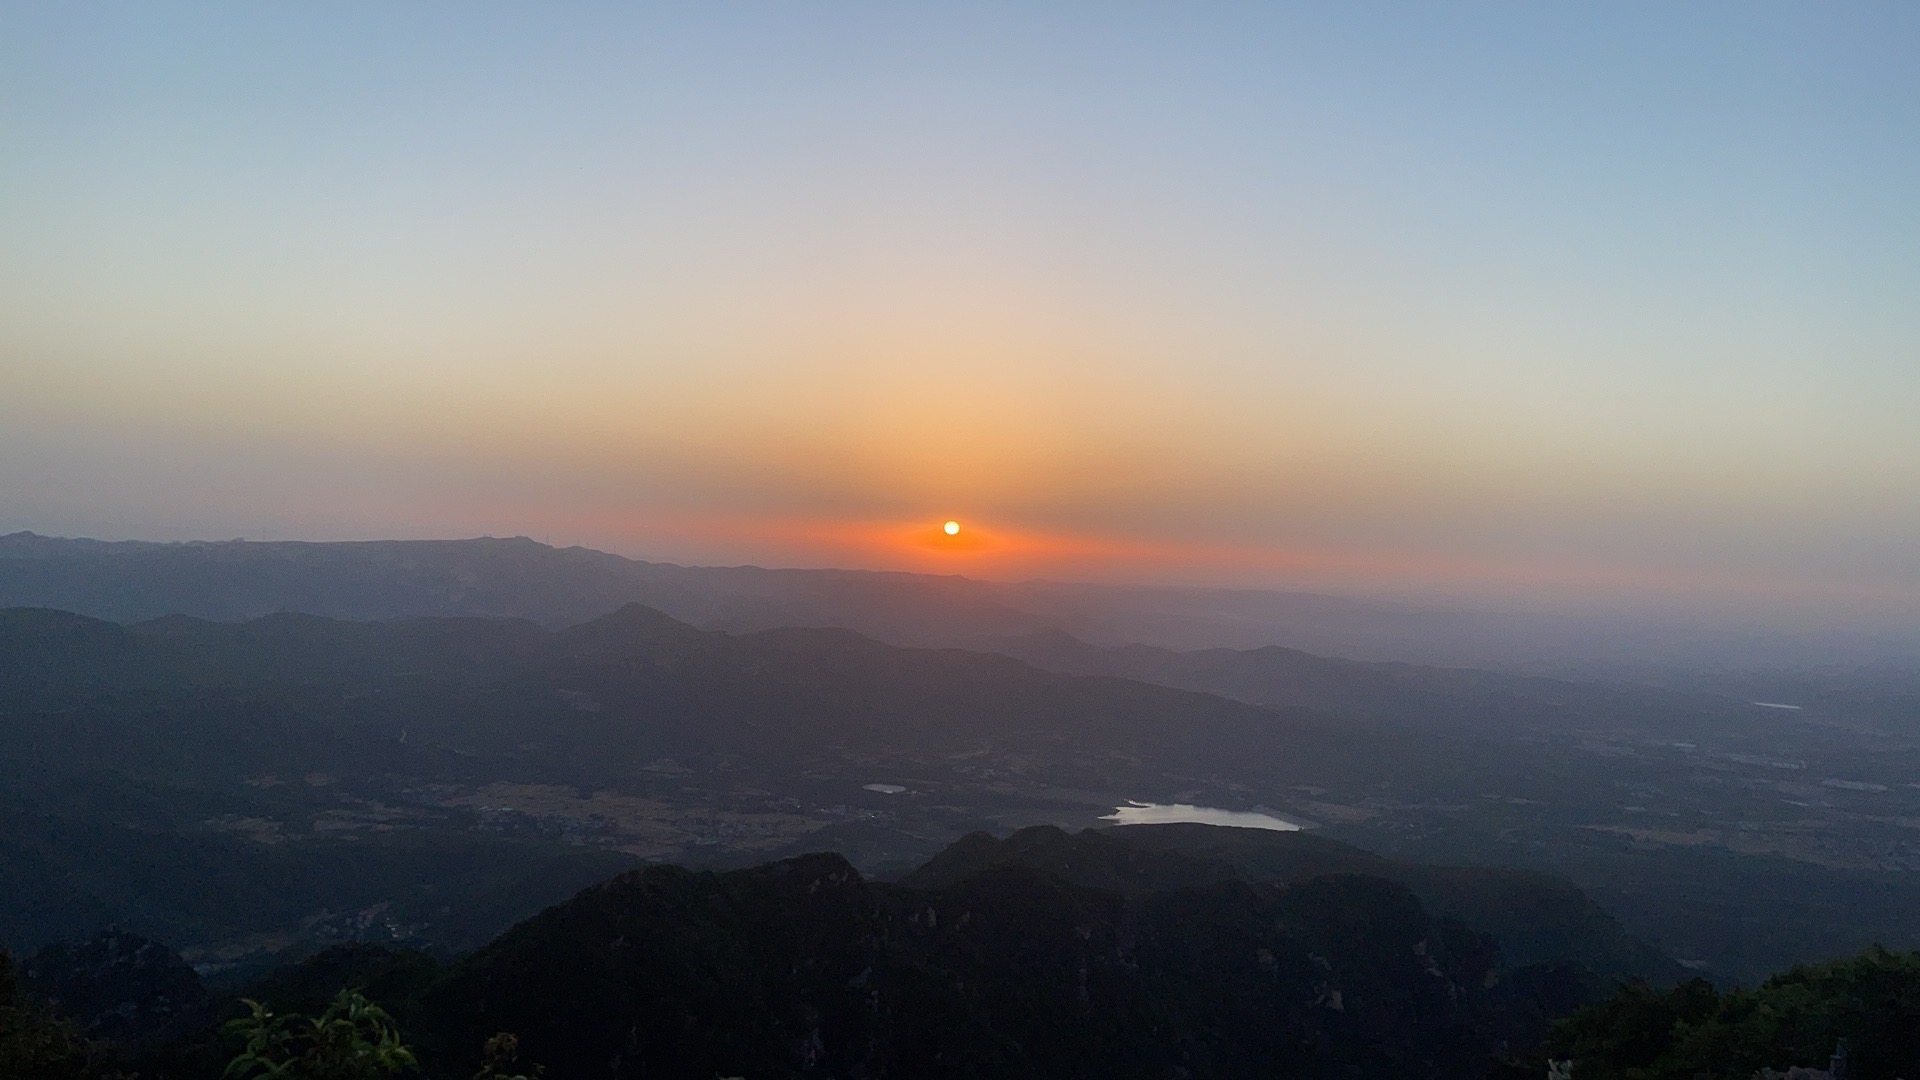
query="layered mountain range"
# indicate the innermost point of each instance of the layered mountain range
(253, 789)
(518, 577)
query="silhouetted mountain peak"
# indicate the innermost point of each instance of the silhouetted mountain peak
(628, 628)
(808, 875)
(174, 626)
(1091, 858)
(635, 615)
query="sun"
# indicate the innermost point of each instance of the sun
(951, 528)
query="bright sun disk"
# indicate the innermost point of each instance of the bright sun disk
(952, 528)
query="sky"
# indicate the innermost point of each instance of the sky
(1595, 300)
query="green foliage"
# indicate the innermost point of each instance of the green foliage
(354, 1039)
(34, 1043)
(1630, 1031)
(1871, 1000)
(500, 1060)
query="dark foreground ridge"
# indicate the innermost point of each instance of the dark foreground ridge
(978, 966)
(1534, 918)
(802, 967)
(1147, 951)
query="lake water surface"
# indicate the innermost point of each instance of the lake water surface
(1145, 813)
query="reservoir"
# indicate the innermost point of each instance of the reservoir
(1141, 813)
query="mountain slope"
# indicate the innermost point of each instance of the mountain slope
(288, 693)
(1456, 699)
(803, 968)
(1535, 918)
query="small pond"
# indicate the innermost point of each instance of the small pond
(1144, 813)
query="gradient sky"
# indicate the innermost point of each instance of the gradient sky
(1600, 298)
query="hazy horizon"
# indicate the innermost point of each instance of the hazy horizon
(1751, 632)
(1549, 305)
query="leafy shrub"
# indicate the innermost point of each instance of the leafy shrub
(1793, 1019)
(35, 1043)
(354, 1039)
(500, 1060)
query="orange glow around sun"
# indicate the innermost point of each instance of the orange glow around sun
(923, 545)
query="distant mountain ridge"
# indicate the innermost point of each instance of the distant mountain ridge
(519, 578)
(1460, 699)
(130, 581)
(133, 581)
